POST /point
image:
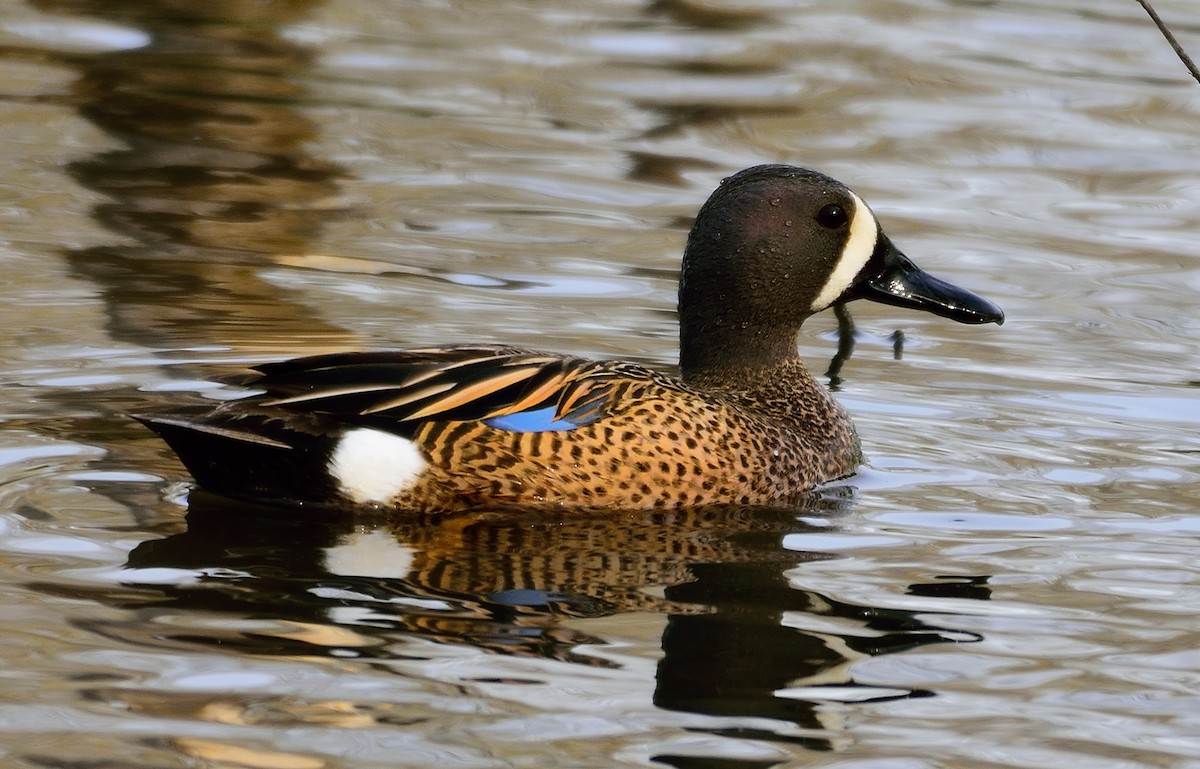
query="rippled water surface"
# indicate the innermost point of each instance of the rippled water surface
(1012, 580)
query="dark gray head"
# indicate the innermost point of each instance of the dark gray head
(775, 244)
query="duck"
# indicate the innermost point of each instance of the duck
(470, 427)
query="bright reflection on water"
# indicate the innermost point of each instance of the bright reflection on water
(1011, 581)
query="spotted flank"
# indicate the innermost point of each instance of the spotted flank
(454, 428)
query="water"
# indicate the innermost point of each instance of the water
(1010, 582)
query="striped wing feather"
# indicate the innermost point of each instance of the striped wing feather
(459, 383)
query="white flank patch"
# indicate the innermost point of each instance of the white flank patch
(372, 466)
(864, 232)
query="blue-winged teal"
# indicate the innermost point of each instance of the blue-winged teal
(453, 428)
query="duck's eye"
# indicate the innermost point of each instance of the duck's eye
(832, 216)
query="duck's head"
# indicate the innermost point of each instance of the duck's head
(775, 244)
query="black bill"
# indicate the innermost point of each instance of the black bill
(897, 281)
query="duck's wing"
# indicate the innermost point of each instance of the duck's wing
(449, 383)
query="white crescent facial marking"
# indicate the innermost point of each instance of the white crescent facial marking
(372, 466)
(864, 232)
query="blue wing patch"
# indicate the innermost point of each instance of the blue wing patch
(541, 421)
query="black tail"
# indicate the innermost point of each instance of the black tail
(252, 457)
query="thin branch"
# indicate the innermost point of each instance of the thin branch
(1162, 27)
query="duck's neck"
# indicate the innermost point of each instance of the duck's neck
(715, 344)
(784, 390)
(739, 358)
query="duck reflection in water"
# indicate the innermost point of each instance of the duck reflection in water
(535, 586)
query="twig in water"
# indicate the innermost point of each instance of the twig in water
(1162, 27)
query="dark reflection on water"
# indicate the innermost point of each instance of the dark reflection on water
(509, 583)
(707, 16)
(213, 182)
(740, 657)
